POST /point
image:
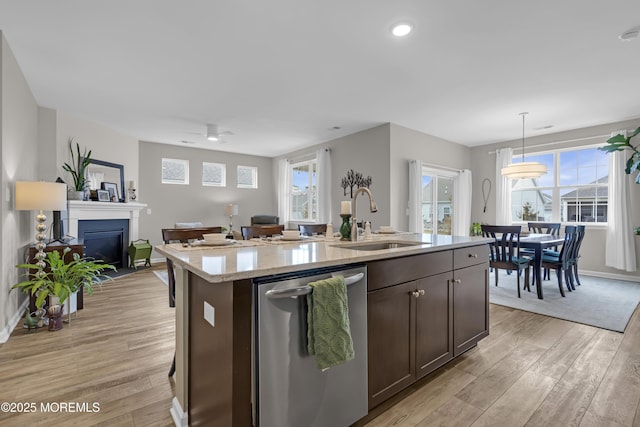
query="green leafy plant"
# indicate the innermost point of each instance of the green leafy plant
(621, 143)
(78, 166)
(63, 278)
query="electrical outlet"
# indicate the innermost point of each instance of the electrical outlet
(148, 211)
(210, 313)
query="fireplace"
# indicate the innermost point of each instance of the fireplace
(105, 239)
(106, 228)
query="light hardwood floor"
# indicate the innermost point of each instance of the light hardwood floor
(532, 370)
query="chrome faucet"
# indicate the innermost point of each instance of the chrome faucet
(372, 208)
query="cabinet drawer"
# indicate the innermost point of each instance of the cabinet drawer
(472, 255)
(381, 274)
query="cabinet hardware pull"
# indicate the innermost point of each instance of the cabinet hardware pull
(421, 292)
(415, 294)
(457, 281)
(473, 255)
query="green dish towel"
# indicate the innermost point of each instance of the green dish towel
(328, 330)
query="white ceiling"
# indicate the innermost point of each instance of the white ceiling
(281, 74)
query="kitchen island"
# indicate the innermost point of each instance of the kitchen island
(433, 287)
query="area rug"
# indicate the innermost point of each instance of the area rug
(603, 303)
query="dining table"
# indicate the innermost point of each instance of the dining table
(539, 242)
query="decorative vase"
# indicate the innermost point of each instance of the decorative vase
(55, 317)
(345, 228)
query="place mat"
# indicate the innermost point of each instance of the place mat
(198, 247)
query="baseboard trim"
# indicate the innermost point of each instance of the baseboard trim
(180, 418)
(613, 276)
(13, 322)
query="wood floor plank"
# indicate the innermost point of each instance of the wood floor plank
(572, 395)
(453, 413)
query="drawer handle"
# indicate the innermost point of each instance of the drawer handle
(473, 255)
(457, 281)
(417, 293)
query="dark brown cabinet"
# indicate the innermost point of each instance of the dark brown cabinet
(438, 311)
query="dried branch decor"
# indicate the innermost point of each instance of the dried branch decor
(354, 179)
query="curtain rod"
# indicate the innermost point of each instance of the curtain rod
(559, 142)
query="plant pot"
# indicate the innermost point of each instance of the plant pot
(55, 317)
(75, 195)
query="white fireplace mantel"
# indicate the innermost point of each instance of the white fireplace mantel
(89, 210)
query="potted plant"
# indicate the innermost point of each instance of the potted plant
(77, 169)
(621, 143)
(60, 279)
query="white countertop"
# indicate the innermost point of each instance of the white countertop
(257, 258)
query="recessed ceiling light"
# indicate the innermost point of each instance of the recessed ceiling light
(629, 35)
(401, 29)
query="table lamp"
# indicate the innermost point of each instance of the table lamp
(41, 196)
(230, 210)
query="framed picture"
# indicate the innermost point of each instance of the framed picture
(112, 188)
(103, 196)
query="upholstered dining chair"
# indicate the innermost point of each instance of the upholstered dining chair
(562, 261)
(505, 251)
(265, 220)
(249, 232)
(552, 228)
(310, 229)
(183, 235)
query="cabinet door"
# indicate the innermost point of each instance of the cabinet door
(434, 321)
(391, 331)
(470, 306)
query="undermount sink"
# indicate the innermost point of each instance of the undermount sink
(377, 246)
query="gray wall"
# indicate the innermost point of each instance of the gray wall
(483, 165)
(19, 139)
(169, 203)
(366, 152)
(408, 144)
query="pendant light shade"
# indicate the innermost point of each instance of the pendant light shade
(524, 169)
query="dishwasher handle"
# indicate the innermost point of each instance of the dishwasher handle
(306, 289)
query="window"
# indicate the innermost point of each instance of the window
(437, 201)
(575, 188)
(175, 171)
(304, 191)
(214, 174)
(247, 177)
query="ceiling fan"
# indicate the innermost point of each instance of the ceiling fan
(213, 134)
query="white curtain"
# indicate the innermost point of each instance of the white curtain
(503, 187)
(620, 250)
(284, 188)
(462, 204)
(415, 196)
(323, 158)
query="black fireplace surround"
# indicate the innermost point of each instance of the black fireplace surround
(105, 239)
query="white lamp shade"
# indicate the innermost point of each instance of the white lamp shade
(230, 210)
(40, 195)
(524, 170)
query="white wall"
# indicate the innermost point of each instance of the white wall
(483, 165)
(19, 138)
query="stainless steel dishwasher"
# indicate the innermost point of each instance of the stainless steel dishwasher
(290, 390)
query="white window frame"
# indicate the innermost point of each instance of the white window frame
(438, 174)
(223, 174)
(254, 176)
(312, 194)
(184, 163)
(556, 188)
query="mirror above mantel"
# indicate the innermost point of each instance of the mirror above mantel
(100, 171)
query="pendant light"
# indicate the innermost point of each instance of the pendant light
(524, 169)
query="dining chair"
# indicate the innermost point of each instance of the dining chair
(265, 220)
(182, 235)
(311, 229)
(552, 228)
(505, 251)
(251, 231)
(575, 254)
(562, 261)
